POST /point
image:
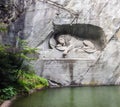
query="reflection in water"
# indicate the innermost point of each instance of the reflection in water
(72, 97)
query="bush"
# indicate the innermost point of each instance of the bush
(15, 71)
(13, 63)
(7, 93)
(31, 81)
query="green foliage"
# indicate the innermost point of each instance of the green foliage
(12, 62)
(7, 93)
(3, 27)
(32, 81)
(16, 71)
(7, 68)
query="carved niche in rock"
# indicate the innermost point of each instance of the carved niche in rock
(73, 41)
(67, 44)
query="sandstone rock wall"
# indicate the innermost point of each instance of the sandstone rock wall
(35, 24)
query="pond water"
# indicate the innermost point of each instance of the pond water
(72, 97)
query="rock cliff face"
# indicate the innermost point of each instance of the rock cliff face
(37, 22)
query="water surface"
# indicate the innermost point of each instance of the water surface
(72, 97)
